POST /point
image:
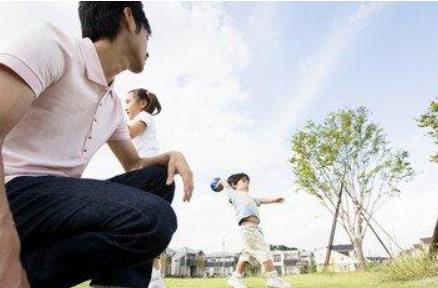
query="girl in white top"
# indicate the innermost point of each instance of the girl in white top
(141, 106)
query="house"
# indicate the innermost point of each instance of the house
(425, 243)
(288, 262)
(307, 260)
(221, 264)
(346, 249)
(184, 262)
(342, 259)
(419, 249)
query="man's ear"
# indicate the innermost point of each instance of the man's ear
(129, 20)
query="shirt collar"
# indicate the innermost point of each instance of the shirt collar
(92, 63)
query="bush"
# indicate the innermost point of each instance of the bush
(408, 267)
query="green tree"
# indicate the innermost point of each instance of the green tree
(429, 120)
(347, 148)
(166, 263)
(201, 264)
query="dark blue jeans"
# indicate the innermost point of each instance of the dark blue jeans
(72, 230)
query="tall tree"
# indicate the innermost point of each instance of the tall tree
(429, 120)
(347, 148)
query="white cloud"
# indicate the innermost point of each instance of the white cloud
(317, 68)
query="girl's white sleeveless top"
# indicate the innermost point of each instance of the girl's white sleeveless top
(146, 142)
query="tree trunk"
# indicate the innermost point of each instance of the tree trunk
(433, 245)
(358, 249)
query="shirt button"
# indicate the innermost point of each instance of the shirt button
(95, 120)
(85, 150)
(89, 137)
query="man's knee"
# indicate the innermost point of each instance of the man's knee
(159, 176)
(152, 227)
(166, 226)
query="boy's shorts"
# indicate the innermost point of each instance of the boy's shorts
(254, 245)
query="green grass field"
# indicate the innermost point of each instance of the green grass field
(347, 280)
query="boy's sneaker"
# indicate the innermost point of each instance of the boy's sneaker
(274, 281)
(235, 281)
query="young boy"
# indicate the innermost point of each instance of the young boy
(247, 216)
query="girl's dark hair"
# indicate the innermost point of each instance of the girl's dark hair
(153, 107)
(233, 179)
(102, 19)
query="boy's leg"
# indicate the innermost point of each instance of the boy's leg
(259, 249)
(268, 266)
(240, 267)
(235, 280)
(73, 229)
(151, 180)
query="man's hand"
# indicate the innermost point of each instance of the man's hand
(174, 161)
(178, 165)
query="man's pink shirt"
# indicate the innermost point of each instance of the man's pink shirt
(75, 111)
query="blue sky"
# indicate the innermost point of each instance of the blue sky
(237, 79)
(389, 63)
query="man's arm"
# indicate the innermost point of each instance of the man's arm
(15, 98)
(174, 161)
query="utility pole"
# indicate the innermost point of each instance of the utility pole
(187, 255)
(223, 255)
(434, 244)
(332, 233)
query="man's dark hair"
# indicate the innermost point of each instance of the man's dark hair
(233, 179)
(103, 19)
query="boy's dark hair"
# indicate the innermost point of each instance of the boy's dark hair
(233, 179)
(153, 107)
(102, 19)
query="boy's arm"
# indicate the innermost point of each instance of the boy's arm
(16, 98)
(224, 184)
(270, 200)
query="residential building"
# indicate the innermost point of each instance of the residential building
(185, 262)
(342, 259)
(221, 264)
(288, 262)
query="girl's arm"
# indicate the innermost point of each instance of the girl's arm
(136, 128)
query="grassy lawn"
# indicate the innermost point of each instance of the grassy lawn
(348, 280)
